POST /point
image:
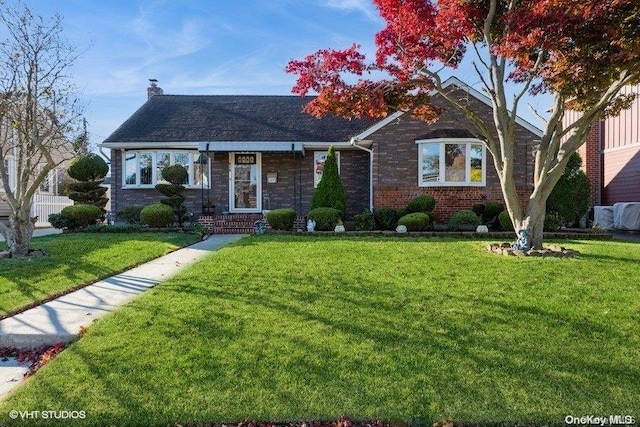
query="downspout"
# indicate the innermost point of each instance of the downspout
(353, 141)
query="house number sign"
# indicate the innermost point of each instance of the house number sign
(245, 159)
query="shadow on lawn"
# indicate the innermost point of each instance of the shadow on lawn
(72, 257)
(489, 351)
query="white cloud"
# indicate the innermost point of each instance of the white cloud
(361, 6)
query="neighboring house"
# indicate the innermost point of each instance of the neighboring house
(46, 201)
(247, 154)
(611, 155)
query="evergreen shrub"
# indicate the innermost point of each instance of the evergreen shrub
(80, 216)
(330, 192)
(364, 221)
(416, 221)
(157, 215)
(505, 221)
(423, 203)
(463, 217)
(281, 219)
(326, 218)
(131, 214)
(385, 218)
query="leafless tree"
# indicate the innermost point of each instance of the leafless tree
(39, 113)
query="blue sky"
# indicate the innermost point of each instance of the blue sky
(200, 47)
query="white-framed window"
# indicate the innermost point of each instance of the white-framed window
(47, 185)
(319, 157)
(451, 162)
(143, 168)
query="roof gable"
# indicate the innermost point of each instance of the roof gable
(451, 81)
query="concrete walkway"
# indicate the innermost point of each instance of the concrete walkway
(62, 319)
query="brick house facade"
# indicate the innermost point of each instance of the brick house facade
(247, 154)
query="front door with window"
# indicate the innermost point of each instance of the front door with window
(245, 186)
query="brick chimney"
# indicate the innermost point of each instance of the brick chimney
(154, 89)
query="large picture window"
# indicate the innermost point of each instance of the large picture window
(143, 169)
(451, 162)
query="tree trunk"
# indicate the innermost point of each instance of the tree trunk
(532, 218)
(18, 234)
(533, 222)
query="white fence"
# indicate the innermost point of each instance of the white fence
(44, 205)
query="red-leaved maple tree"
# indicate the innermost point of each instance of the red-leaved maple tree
(579, 52)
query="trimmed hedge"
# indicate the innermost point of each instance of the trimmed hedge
(326, 218)
(385, 218)
(131, 214)
(463, 217)
(157, 215)
(416, 221)
(364, 221)
(80, 216)
(281, 219)
(423, 203)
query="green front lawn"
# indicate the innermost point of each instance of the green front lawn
(77, 259)
(301, 328)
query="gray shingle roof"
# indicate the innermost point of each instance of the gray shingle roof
(195, 118)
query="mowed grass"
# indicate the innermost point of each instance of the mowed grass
(301, 328)
(77, 259)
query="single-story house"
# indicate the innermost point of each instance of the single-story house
(248, 154)
(611, 155)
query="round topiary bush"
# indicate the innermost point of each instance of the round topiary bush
(385, 218)
(416, 221)
(505, 221)
(175, 174)
(325, 218)
(281, 219)
(463, 217)
(157, 215)
(91, 167)
(80, 216)
(423, 203)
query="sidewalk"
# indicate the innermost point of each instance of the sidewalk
(38, 232)
(62, 319)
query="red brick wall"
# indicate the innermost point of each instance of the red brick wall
(590, 154)
(396, 164)
(294, 187)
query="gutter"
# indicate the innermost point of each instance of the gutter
(353, 142)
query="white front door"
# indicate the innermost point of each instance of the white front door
(245, 183)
